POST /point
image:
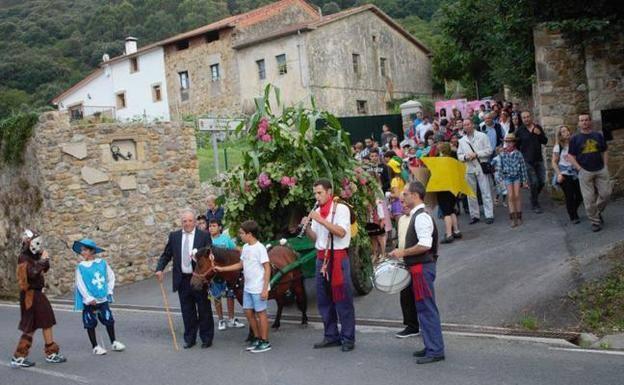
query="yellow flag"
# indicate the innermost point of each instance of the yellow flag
(447, 174)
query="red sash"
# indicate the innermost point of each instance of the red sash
(336, 274)
(419, 283)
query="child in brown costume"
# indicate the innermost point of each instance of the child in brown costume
(36, 311)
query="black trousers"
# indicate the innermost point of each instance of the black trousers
(572, 191)
(408, 308)
(196, 312)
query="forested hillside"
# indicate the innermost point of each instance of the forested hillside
(47, 45)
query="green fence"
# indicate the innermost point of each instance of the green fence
(360, 127)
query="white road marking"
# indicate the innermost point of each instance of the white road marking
(595, 351)
(46, 372)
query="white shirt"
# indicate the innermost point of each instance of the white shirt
(422, 129)
(253, 257)
(110, 279)
(402, 225)
(342, 219)
(187, 267)
(505, 127)
(482, 147)
(423, 224)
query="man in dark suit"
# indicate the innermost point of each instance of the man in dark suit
(196, 308)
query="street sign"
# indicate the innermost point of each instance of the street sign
(218, 124)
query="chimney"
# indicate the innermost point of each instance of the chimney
(131, 45)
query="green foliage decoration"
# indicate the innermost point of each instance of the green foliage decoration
(288, 151)
(15, 131)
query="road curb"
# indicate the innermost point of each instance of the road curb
(460, 329)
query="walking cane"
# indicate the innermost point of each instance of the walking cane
(166, 301)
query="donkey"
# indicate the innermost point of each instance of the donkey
(279, 257)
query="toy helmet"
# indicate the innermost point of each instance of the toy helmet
(33, 240)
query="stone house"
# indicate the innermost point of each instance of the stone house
(577, 78)
(201, 67)
(352, 62)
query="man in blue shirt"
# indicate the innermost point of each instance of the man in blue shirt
(587, 153)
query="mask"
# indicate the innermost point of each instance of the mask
(36, 245)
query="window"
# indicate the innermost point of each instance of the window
(184, 80)
(214, 72)
(134, 65)
(121, 100)
(75, 112)
(356, 63)
(382, 65)
(182, 44)
(282, 68)
(261, 69)
(361, 107)
(212, 36)
(184, 85)
(156, 93)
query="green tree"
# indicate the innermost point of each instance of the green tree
(12, 101)
(200, 12)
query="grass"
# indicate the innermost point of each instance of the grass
(601, 302)
(529, 322)
(205, 155)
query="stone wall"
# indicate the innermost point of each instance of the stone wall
(127, 206)
(574, 78)
(20, 207)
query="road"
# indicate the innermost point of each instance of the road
(491, 277)
(379, 358)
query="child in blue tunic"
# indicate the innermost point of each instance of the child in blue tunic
(95, 282)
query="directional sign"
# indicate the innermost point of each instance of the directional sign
(218, 124)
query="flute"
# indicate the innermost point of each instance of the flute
(303, 227)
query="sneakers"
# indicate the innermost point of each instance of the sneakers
(407, 332)
(99, 351)
(595, 227)
(457, 235)
(252, 344)
(118, 346)
(473, 221)
(262, 346)
(447, 240)
(222, 324)
(235, 323)
(21, 362)
(55, 358)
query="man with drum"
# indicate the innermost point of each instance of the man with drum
(331, 232)
(420, 254)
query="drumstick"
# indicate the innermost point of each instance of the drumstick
(170, 319)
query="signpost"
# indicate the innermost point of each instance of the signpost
(218, 127)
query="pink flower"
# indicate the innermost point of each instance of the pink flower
(263, 128)
(345, 183)
(363, 181)
(264, 181)
(265, 138)
(288, 181)
(346, 193)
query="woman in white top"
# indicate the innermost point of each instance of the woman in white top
(567, 176)
(505, 123)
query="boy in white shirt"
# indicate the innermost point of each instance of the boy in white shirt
(257, 273)
(95, 282)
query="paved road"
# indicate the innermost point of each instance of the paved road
(491, 277)
(379, 358)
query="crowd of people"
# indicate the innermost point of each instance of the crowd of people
(503, 151)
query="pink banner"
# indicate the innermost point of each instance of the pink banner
(449, 105)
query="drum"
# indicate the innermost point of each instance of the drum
(391, 277)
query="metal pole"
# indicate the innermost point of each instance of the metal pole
(225, 160)
(215, 151)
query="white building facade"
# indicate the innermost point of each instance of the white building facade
(126, 88)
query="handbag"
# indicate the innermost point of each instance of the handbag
(486, 167)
